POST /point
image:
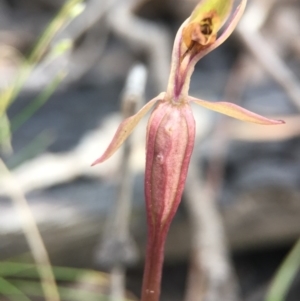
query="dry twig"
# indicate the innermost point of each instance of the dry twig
(147, 37)
(118, 250)
(211, 277)
(249, 32)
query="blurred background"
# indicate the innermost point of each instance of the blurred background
(70, 71)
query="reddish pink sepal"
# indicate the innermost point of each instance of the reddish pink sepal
(170, 141)
(126, 128)
(235, 111)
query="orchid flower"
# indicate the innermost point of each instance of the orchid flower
(171, 128)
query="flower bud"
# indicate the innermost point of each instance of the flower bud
(170, 141)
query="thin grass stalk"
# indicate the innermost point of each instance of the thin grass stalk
(33, 236)
(38, 102)
(68, 12)
(285, 275)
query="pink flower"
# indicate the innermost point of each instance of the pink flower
(171, 128)
(184, 59)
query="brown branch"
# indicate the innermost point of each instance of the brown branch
(211, 277)
(118, 249)
(144, 36)
(249, 33)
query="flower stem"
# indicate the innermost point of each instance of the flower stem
(154, 264)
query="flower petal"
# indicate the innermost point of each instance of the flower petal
(235, 111)
(126, 128)
(220, 8)
(205, 21)
(232, 23)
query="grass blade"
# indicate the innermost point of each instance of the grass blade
(285, 275)
(37, 103)
(12, 292)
